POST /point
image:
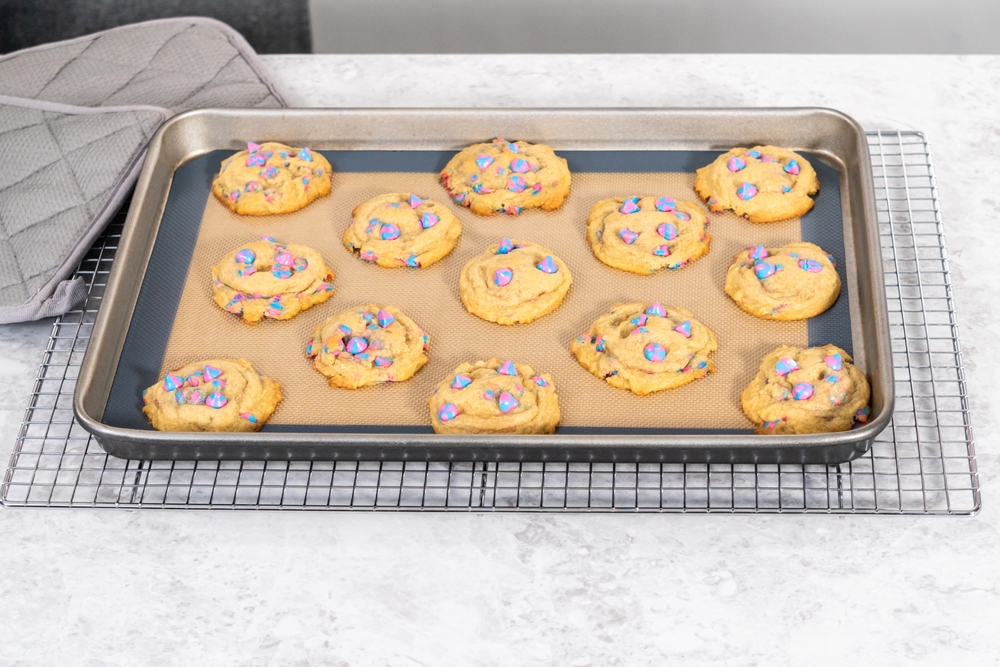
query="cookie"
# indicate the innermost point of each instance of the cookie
(793, 282)
(494, 397)
(271, 178)
(213, 395)
(367, 345)
(762, 184)
(513, 282)
(267, 279)
(645, 347)
(811, 390)
(646, 234)
(402, 229)
(507, 177)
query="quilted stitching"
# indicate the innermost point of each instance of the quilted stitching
(62, 168)
(168, 64)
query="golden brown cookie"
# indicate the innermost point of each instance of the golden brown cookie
(494, 397)
(367, 345)
(646, 234)
(645, 347)
(268, 279)
(402, 229)
(271, 178)
(793, 282)
(513, 282)
(507, 177)
(811, 390)
(762, 184)
(213, 395)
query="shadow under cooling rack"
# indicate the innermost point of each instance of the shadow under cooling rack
(924, 463)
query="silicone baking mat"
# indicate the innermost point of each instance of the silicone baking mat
(176, 321)
(924, 463)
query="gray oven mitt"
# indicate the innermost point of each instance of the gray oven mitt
(75, 119)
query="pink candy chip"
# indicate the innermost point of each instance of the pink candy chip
(216, 400)
(667, 231)
(172, 382)
(385, 318)
(448, 412)
(746, 191)
(516, 183)
(507, 402)
(656, 309)
(628, 236)
(834, 361)
(502, 277)
(547, 265)
(520, 166)
(785, 366)
(284, 258)
(665, 204)
(389, 232)
(655, 352)
(803, 391)
(630, 206)
(357, 345)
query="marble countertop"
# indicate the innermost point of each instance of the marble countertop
(95, 588)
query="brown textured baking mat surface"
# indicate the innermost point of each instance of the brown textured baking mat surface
(202, 330)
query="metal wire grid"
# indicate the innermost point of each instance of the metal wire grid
(923, 464)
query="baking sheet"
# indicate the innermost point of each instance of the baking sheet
(176, 321)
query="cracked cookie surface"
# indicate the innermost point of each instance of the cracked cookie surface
(513, 282)
(494, 397)
(271, 178)
(212, 395)
(806, 390)
(793, 282)
(645, 234)
(646, 347)
(266, 279)
(402, 229)
(507, 177)
(762, 184)
(367, 345)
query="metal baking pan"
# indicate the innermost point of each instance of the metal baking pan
(119, 356)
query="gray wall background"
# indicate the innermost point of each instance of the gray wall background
(655, 26)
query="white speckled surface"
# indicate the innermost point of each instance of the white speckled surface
(98, 588)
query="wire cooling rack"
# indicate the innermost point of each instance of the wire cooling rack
(924, 463)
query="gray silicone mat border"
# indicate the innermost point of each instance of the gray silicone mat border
(151, 323)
